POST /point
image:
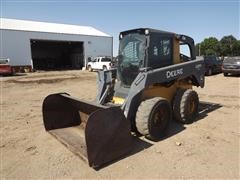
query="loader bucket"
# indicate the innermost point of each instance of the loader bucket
(96, 133)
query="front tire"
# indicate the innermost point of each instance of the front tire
(152, 118)
(90, 68)
(225, 74)
(13, 72)
(185, 105)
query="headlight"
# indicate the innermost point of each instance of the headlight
(238, 62)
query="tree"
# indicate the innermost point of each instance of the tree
(236, 48)
(209, 52)
(210, 46)
(227, 45)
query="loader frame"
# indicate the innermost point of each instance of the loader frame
(192, 70)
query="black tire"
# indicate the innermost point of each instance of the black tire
(185, 105)
(209, 72)
(152, 118)
(13, 72)
(225, 74)
(104, 68)
(90, 68)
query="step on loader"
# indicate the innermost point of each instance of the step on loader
(151, 84)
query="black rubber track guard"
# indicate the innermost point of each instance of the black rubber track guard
(98, 134)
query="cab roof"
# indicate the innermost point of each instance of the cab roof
(142, 31)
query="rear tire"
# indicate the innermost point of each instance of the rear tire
(152, 118)
(209, 72)
(225, 74)
(89, 68)
(185, 105)
(104, 68)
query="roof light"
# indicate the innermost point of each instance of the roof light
(146, 31)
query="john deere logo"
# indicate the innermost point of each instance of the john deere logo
(174, 73)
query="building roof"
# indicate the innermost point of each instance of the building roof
(36, 26)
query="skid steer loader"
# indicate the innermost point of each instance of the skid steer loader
(151, 84)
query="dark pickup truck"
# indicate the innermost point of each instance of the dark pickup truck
(212, 65)
(231, 65)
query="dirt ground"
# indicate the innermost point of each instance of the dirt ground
(207, 148)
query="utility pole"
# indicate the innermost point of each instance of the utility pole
(199, 49)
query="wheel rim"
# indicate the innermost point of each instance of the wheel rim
(159, 118)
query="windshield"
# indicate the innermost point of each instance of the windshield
(232, 59)
(131, 57)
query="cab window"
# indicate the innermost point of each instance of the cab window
(160, 51)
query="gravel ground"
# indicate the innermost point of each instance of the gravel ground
(207, 148)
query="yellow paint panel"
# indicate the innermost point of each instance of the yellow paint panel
(165, 92)
(176, 51)
(158, 91)
(118, 100)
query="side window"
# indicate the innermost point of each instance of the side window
(184, 50)
(160, 51)
(219, 61)
(89, 59)
(185, 54)
(106, 60)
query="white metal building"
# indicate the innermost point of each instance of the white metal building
(42, 45)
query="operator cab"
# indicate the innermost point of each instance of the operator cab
(146, 48)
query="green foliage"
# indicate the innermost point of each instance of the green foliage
(209, 46)
(227, 46)
(236, 48)
(209, 52)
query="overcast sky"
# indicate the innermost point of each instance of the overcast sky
(198, 19)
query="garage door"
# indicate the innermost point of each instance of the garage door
(57, 55)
